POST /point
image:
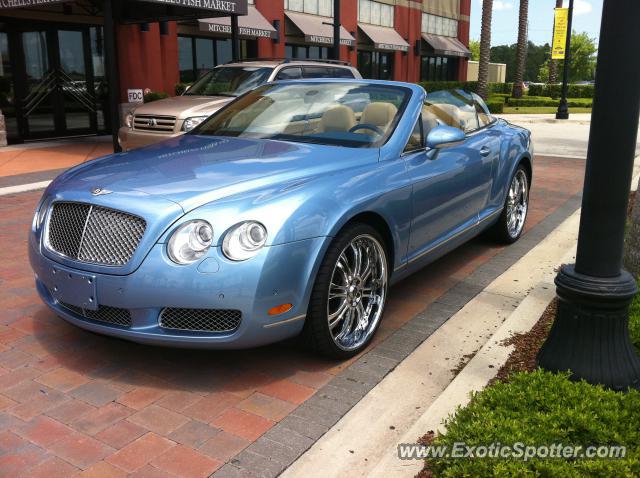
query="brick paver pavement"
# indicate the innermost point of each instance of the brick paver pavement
(75, 402)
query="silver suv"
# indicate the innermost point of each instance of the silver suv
(171, 117)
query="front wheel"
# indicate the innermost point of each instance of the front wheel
(514, 214)
(349, 294)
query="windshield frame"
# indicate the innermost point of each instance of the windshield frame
(229, 94)
(297, 139)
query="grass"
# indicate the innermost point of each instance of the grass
(540, 110)
(634, 322)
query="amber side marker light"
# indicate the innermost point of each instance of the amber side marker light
(280, 309)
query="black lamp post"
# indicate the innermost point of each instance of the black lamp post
(336, 29)
(590, 336)
(563, 108)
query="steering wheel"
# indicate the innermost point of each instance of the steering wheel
(370, 127)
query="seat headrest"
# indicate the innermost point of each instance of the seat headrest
(379, 114)
(338, 118)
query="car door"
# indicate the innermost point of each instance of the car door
(450, 184)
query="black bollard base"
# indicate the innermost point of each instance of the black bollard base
(590, 336)
(563, 110)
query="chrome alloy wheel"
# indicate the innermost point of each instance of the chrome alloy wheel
(517, 203)
(357, 292)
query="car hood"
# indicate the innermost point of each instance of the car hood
(184, 106)
(194, 170)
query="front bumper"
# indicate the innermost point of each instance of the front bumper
(278, 275)
(131, 139)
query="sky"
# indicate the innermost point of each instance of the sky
(504, 26)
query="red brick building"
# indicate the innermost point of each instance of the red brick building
(53, 76)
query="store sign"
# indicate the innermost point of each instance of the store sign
(327, 40)
(390, 46)
(28, 3)
(238, 7)
(135, 95)
(560, 33)
(244, 31)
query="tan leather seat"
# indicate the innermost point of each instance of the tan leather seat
(429, 121)
(378, 114)
(447, 114)
(338, 118)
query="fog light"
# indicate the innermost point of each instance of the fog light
(280, 309)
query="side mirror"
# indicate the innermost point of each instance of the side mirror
(443, 136)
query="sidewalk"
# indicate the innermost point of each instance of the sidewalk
(52, 156)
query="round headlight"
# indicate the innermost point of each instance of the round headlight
(190, 242)
(244, 240)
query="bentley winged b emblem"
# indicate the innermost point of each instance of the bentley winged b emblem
(100, 191)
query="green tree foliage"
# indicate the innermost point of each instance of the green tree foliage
(536, 57)
(474, 48)
(582, 64)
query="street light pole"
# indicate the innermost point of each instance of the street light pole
(590, 336)
(563, 108)
(336, 29)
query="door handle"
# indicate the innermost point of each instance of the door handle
(484, 151)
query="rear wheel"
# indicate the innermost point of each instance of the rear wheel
(349, 295)
(514, 214)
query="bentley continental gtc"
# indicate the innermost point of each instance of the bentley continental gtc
(290, 211)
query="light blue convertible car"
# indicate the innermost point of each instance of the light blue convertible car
(289, 211)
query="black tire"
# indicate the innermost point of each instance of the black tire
(500, 230)
(316, 332)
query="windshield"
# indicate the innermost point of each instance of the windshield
(229, 81)
(343, 114)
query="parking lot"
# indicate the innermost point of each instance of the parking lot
(72, 401)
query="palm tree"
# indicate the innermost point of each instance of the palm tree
(553, 64)
(485, 49)
(521, 49)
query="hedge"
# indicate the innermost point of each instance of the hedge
(471, 86)
(542, 408)
(541, 101)
(495, 106)
(555, 91)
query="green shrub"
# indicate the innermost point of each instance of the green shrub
(555, 91)
(542, 101)
(542, 408)
(495, 106)
(181, 88)
(155, 96)
(471, 86)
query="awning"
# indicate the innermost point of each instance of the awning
(384, 38)
(318, 29)
(164, 8)
(446, 46)
(253, 25)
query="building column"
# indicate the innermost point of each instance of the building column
(463, 35)
(272, 11)
(349, 20)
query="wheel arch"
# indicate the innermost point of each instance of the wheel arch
(379, 223)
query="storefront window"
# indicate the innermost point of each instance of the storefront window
(375, 65)
(7, 103)
(375, 13)
(438, 68)
(198, 55)
(303, 52)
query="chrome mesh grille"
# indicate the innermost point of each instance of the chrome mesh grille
(202, 320)
(94, 234)
(109, 315)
